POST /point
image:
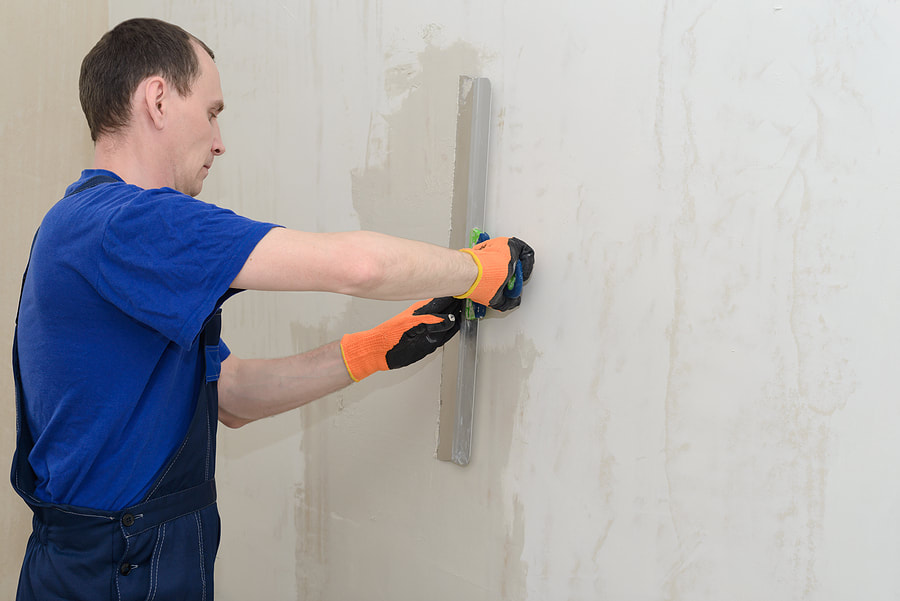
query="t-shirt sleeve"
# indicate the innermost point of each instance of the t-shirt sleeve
(167, 258)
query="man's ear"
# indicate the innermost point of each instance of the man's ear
(155, 101)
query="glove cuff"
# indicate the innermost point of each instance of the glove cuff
(363, 354)
(477, 281)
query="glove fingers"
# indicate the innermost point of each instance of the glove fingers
(449, 311)
(447, 322)
(525, 254)
(520, 254)
(505, 304)
(439, 333)
(421, 340)
(443, 305)
(403, 339)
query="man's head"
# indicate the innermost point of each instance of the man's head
(154, 87)
(123, 57)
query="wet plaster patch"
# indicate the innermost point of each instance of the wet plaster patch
(311, 493)
(404, 189)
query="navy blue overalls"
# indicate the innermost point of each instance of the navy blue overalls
(163, 548)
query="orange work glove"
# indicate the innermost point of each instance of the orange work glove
(496, 259)
(403, 339)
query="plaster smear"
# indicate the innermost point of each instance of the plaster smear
(405, 187)
(396, 523)
(503, 391)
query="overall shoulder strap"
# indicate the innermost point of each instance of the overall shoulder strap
(24, 275)
(91, 182)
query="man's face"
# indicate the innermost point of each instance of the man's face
(196, 139)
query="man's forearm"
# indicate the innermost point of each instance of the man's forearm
(363, 264)
(251, 389)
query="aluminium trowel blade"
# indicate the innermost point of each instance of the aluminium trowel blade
(467, 212)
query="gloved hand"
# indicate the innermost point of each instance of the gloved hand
(496, 259)
(403, 339)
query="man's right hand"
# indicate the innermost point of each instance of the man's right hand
(496, 259)
(402, 340)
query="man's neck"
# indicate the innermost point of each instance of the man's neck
(125, 158)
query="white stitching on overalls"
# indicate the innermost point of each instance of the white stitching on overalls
(202, 559)
(154, 569)
(118, 573)
(86, 515)
(171, 465)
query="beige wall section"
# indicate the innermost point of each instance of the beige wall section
(44, 144)
(697, 400)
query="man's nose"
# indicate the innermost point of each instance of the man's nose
(218, 146)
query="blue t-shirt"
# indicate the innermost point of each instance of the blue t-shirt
(120, 284)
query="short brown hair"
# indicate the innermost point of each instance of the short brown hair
(125, 56)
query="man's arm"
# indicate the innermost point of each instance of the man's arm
(250, 389)
(362, 264)
(368, 265)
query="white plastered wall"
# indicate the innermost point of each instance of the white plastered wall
(697, 399)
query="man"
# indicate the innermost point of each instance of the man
(120, 373)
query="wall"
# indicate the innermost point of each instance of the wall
(44, 144)
(695, 401)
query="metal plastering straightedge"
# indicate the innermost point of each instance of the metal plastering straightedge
(469, 192)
